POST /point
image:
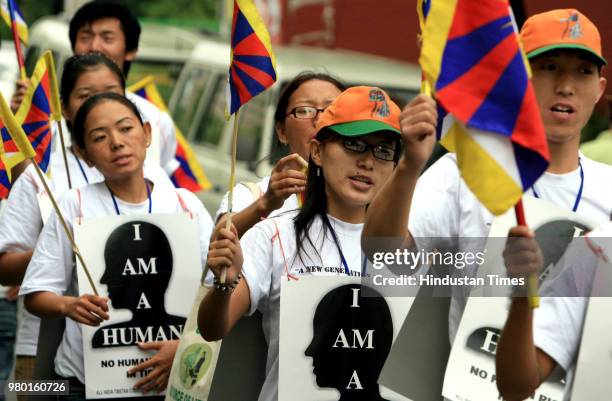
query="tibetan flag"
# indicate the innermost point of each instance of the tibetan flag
(14, 146)
(39, 107)
(252, 62)
(22, 27)
(5, 184)
(472, 60)
(5, 166)
(189, 174)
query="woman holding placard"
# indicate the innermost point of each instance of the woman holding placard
(112, 137)
(352, 155)
(83, 76)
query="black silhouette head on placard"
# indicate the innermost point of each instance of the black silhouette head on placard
(137, 258)
(352, 336)
(554, 238)
(138, 267)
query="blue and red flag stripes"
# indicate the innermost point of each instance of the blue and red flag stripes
(34, 114)
(5, 183)
(14, 146)
(472, 59)
(252, 66)
(184, 176)
(189, 174)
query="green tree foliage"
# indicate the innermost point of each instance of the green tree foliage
(188, 9)
(158, 9)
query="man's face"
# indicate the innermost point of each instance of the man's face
(105, 36)
(567, 86)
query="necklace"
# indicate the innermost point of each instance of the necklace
(578, 195)
(115, 200)
(80, 165)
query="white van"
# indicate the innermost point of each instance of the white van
(8, 68)
(198, 105)
(162, 50)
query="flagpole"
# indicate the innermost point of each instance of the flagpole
(56, 107)
(75, 248)
(61, 135)
(230, 195)
(532, 279)
(16, 41)
(425, 86)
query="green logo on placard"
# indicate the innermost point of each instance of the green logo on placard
(195, 361)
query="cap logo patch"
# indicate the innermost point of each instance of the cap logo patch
(381, 108)
(573, 29)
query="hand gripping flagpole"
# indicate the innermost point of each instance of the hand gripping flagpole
(252, 69)
(230, 195)
(532, 279)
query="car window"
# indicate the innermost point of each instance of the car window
(59, 59)
(250, 127)
(165, 73)
(211, 124)
(192, 88)
(401, 96)
(31, 58)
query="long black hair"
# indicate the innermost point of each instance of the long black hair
(314, 205)
(315, 202)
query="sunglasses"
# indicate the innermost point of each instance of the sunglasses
(381, 152)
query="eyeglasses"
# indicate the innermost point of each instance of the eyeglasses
(380, 152)
(305, 112)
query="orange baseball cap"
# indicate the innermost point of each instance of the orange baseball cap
(361, 110)
(561, 29)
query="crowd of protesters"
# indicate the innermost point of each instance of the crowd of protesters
(353, 156)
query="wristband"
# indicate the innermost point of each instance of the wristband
(227, 288)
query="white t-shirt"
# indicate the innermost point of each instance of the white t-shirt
(243, 197)
(446, 214)
(558, 322)
(264, 267)
(52, 265)
(160, 122)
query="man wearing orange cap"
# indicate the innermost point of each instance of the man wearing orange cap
(564, 50)
(531, 346)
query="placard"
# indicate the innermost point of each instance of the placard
(594, 364)
(470, 372)
(149, 267)
(335, 337)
